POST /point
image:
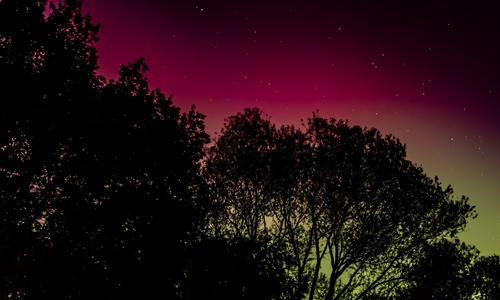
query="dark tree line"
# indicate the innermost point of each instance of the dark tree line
(357, 219)
(100, 188)
(108, 190)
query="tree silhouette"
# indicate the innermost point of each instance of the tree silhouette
(236, 268)
(241, 190)
(38, 69)
(154, 191)
(99, 180)
(332, 194)
(442, 272)
(486, 277)
(107, 190)
(241, 183)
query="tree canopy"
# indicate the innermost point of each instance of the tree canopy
(333, 195)
(99, 180)
(109, 191)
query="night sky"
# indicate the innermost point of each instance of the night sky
(424, 71)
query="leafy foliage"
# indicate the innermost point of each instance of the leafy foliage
(99, 180)
(236, 269)
(443, 272)
(486, 276)
(109, 191)
(331, 194)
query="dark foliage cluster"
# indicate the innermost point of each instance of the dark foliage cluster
(108, 191)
